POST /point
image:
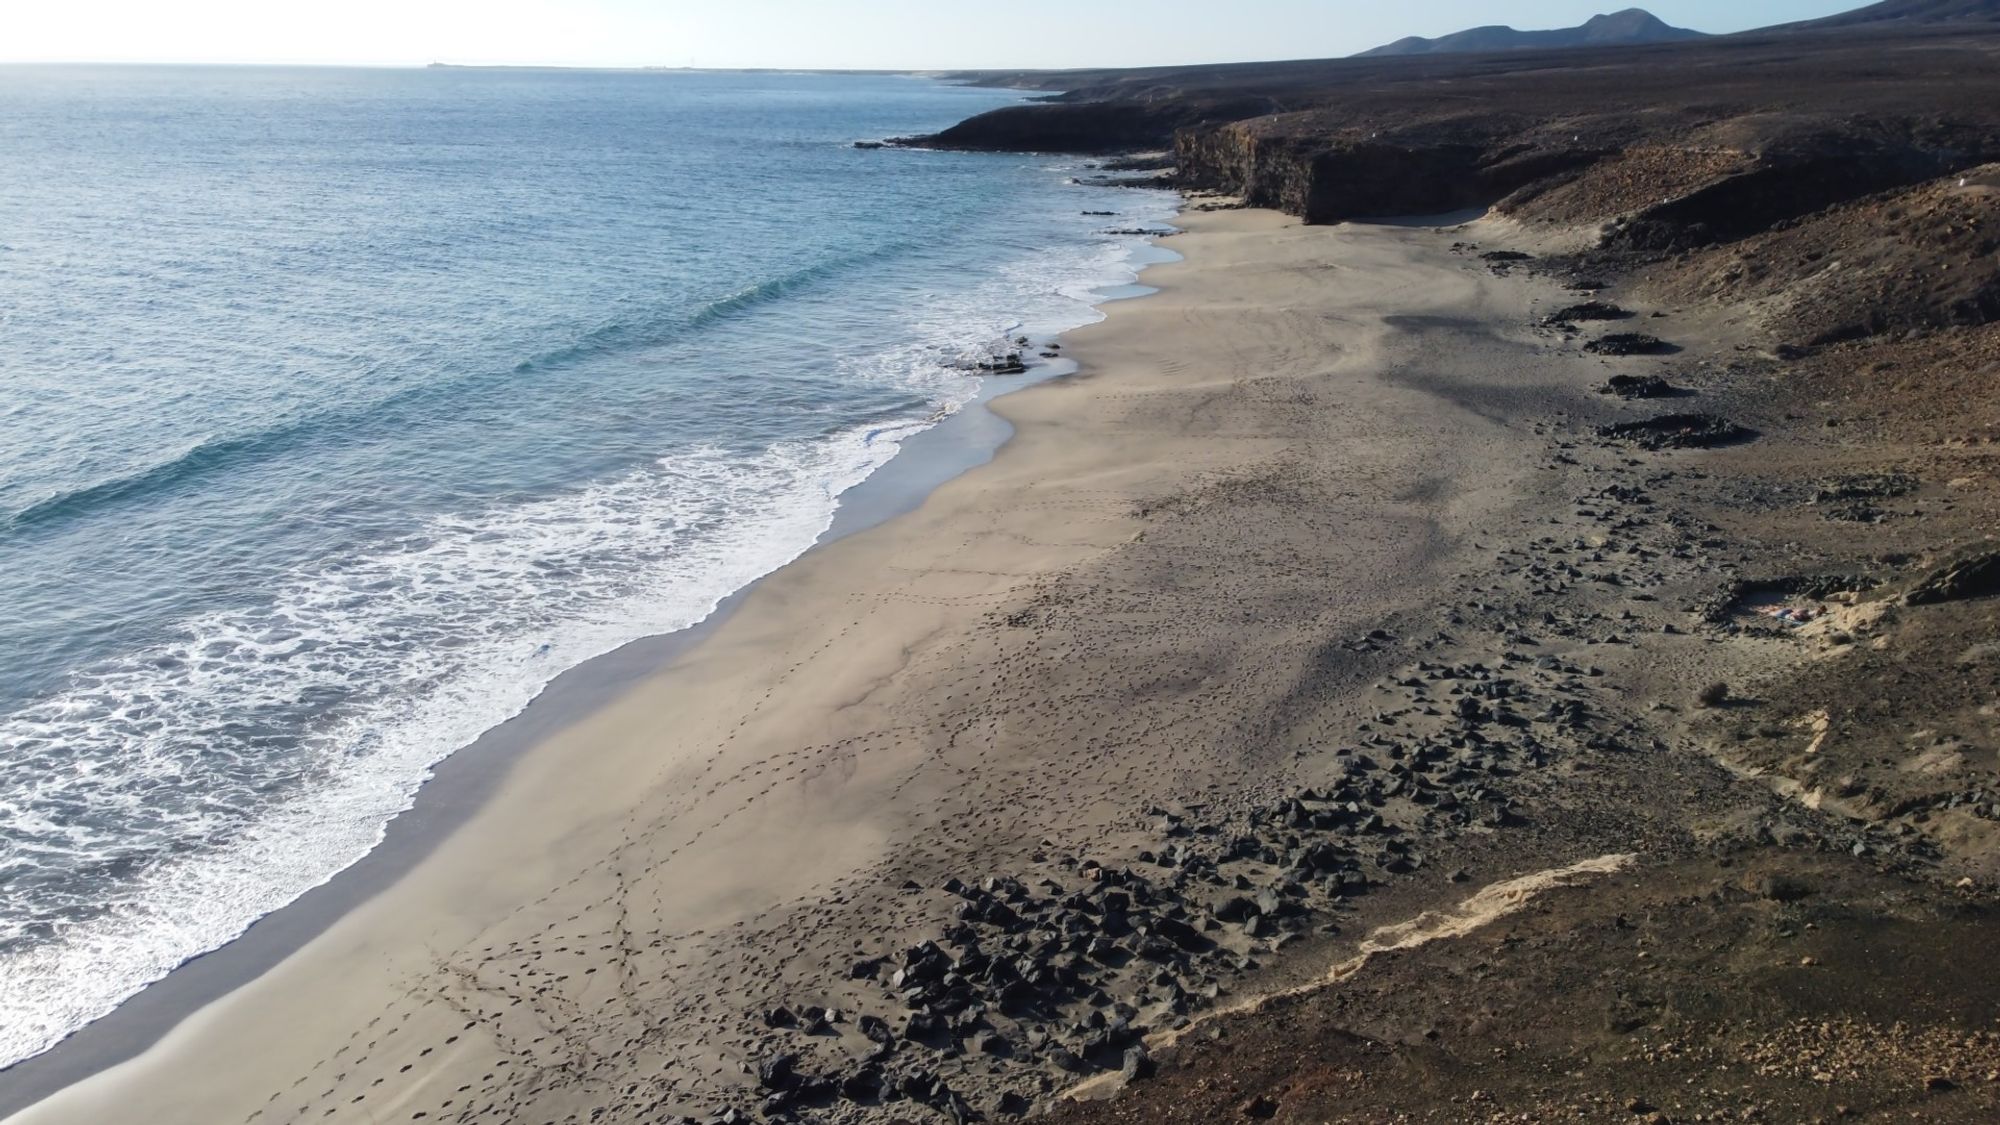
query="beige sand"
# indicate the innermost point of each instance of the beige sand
(1143, 598)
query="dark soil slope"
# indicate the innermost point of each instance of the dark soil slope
(1909, 12)
(1913, 259)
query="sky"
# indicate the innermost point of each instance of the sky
(861, 34)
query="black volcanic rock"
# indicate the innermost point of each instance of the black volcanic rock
(1678, 431)
(1637, 386)
(1628, 343)
(1974, 574)
(1588, 310)
(1633, 25)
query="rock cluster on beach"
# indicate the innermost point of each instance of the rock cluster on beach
(1069, 976)
(1586, 310)
(1627, 343)
(1694, 430)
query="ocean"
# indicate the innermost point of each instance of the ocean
(341, 410)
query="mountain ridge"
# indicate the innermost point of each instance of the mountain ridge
(1629, 26)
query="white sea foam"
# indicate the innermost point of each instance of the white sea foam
(416, 648)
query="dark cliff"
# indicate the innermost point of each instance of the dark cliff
(1720, 162)
(1089, 126)
(1683, 142)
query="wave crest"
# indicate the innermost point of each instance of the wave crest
(233, 452)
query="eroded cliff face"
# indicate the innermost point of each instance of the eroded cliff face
(1331, 178)
(1724, 181)
(1242, 159)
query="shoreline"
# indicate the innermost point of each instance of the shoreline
(1379, 684)
(1322, 664)
(919, 590)
(462, 783)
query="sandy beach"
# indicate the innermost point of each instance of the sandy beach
(1535, 662)
(1142, 600)
(1304, 636)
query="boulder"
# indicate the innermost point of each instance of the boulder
(775, 1072)
(1628, 343)
(1971, 575)
(1678, 431)
(1588, 310)
(1237, 909)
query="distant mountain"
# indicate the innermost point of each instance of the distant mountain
(1633, 25)
(1909, 13)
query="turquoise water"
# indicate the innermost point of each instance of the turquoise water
(342, 410)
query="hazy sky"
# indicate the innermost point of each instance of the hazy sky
(887, 34)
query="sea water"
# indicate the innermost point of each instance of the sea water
(341, 410)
